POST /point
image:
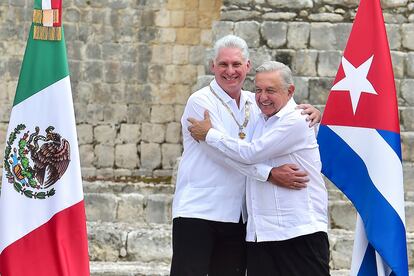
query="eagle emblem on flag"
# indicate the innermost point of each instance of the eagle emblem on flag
(35, 162)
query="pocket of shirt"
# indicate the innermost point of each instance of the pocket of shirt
(292, 207)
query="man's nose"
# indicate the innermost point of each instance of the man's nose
(263, 96)
(230, 69)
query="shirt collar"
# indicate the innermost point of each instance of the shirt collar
(226, 98)
(290, 106)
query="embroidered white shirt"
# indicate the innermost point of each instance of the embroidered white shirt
(207, 187)
(277, 213)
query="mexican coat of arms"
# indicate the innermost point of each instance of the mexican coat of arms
(35, 162)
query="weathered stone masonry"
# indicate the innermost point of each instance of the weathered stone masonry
(134, 63)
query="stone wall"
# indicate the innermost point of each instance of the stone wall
(134, 63)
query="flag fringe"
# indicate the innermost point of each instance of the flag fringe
(38, 16)
(55, 16)
(47, 33)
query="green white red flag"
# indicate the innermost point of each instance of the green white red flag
(42, 213)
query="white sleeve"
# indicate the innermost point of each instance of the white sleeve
(195, 109)
(316, 129)
(285, 137)
(259, 172)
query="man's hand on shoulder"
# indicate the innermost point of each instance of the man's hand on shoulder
(314, 115)
(199, 129)
(289, 176)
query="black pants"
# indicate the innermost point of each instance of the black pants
(306, 255)
(202, 247)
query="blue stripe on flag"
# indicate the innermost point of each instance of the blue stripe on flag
(384, 228)
(393, 139)
(368, 265)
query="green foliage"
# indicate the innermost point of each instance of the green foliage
(41, 195)
(22, 145)
(7, 151)
(17, 186)
(25, 162)
(51, 192)
(28, 193)
(32, 183)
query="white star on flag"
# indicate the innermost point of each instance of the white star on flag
(355, 81)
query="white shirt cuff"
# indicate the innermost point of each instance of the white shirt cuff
(213, 136)
(263, 172)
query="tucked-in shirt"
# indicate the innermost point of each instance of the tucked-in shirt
(207, 187)
(277, 213)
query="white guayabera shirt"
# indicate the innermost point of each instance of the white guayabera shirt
(207, 187)
(277, 213)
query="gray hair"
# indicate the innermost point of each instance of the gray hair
(231, 41)
(275, 66)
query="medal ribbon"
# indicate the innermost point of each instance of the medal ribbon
(242, 135)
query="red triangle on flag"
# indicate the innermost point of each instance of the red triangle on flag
(378, 110)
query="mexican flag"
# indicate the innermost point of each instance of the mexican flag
(42, 214)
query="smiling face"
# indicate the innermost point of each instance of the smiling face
(230, 70)
(272, 94)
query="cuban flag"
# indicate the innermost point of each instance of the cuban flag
(360, 148)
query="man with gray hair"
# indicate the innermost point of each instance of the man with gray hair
(287, 228)
(209, 201)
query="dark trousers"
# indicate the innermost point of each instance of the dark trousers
(202, 247)
(305, 255)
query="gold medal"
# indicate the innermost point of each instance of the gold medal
(242, 135)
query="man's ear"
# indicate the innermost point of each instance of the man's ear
(249, 66)
(211, 65)
(291, 90)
